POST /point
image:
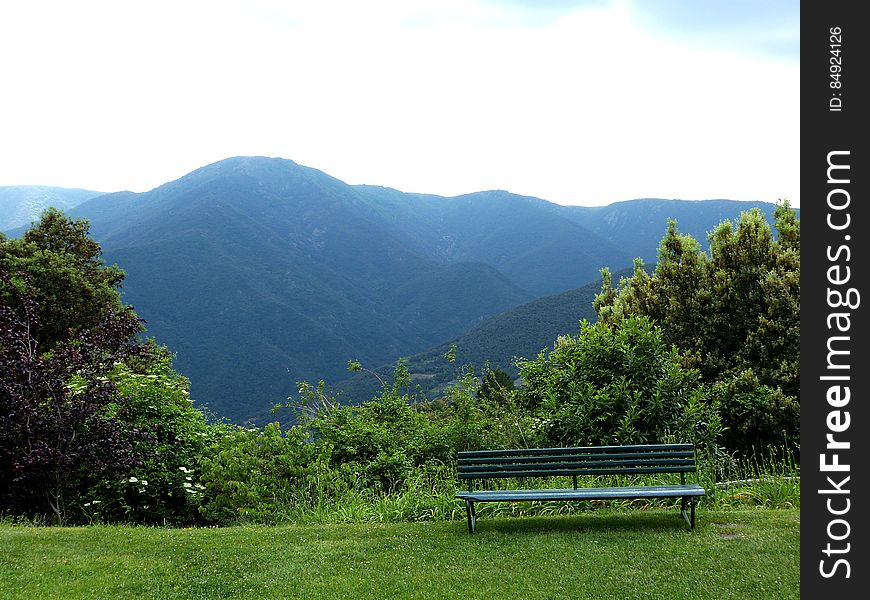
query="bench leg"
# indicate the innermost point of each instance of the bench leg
(472, 517)
(689, 518)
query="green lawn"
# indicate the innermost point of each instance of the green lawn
(741, 554)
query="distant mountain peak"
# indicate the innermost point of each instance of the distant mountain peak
(242, 165)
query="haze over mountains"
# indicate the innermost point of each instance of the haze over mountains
(22, 204)
(259, 272)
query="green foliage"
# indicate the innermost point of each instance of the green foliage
(756, 417)
(477, 421)
(735, 309)
(617, 384)
(496, 385)
(387, 458)
(59, 436)
(74, 290)
(735, 312)
(62, 329)
(382, 443)
(621, 380)
(172, 436)
(262, 475)
(97, 424)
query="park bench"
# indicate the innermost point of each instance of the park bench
(487, 465)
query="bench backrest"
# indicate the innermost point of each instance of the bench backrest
(590, 460)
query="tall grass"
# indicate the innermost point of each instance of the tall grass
(771, 480)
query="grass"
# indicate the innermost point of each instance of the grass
(639, 554)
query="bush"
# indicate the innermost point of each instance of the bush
(172, 436)
(263, 475)
(618, 384)
(756, 417)
(60, 435)
(496, 418)
(382, 443)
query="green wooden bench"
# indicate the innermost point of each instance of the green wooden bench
(598, 460)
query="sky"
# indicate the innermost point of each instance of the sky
(583, 102)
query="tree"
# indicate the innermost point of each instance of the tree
(60, 433)
(91, 416)
(735, 312)
(735, 309)
(74, 290)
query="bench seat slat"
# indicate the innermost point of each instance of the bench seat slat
(594, 493)
(578, 457)
(577, 449)
(663, 463)
(570, 472)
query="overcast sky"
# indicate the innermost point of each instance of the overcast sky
(578, 102)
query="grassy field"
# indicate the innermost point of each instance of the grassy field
(741, 554)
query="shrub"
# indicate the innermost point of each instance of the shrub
(382, 443)
(263, 475)
(172, 436)
(60, 436)
(756, 417)
(495, 419)
(617, 384)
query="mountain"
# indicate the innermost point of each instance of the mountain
(20, 205)
(259, 273)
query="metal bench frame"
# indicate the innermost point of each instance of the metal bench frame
(588, 460)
